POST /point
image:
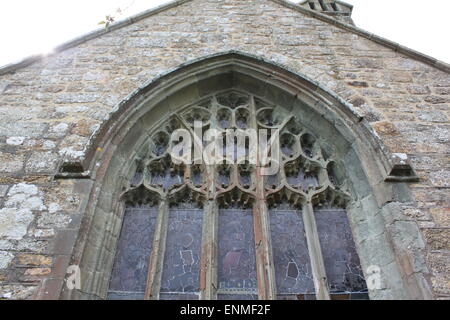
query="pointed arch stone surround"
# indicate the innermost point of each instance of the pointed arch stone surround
(383, 236)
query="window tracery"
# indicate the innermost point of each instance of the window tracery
(227, 231)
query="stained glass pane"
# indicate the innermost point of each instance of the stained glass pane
(290, 253)
(296, 296)
(129, 275)
(116, 295)
(237, 297)
(350, 296)
(181, 270)
(237, 262)
(236, 259)
(178, 296)
(341, 259)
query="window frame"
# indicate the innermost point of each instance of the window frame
(262, 234)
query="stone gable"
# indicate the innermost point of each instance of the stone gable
(50, 109)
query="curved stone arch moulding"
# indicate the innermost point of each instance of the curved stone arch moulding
(111, 156)
(394, 167)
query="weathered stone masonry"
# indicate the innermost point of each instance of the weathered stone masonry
(50, 107)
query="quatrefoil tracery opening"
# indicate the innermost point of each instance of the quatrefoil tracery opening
(305, 167)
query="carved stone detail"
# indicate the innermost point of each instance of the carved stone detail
(308, 177)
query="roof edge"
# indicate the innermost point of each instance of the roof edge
(345, 4)
(350, 6)
(443, 66)
(91, 35)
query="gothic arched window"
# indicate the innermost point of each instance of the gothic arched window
(230, 230)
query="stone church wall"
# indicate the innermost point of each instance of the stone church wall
(50, 108)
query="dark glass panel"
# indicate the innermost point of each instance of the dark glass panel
(117, 295)
(237, 297)
(181, 270)
(224, 175)
(296, 297)
(342, 263)
(350, 296)
(237, 262)
(298, 178)
(290, 253)
(178, 296)
(242, 118)
(133, 251)
(232, 99)
(168, 178)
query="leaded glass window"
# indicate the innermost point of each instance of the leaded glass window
(290, 253)
(181, 269)
(236, 228)
(237, 260)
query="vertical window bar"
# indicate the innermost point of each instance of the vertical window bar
(315, 252)
(157, 257)
(263, 240)
(208, 272)
(264, 258)
(209, 258)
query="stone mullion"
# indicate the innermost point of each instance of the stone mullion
(263, 244)
(264, 257)
(157, 256)
(315, 252)
(209, 259)
(208, 271)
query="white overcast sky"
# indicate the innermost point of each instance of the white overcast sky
(36, 26)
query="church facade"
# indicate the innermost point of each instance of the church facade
(93, 204)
